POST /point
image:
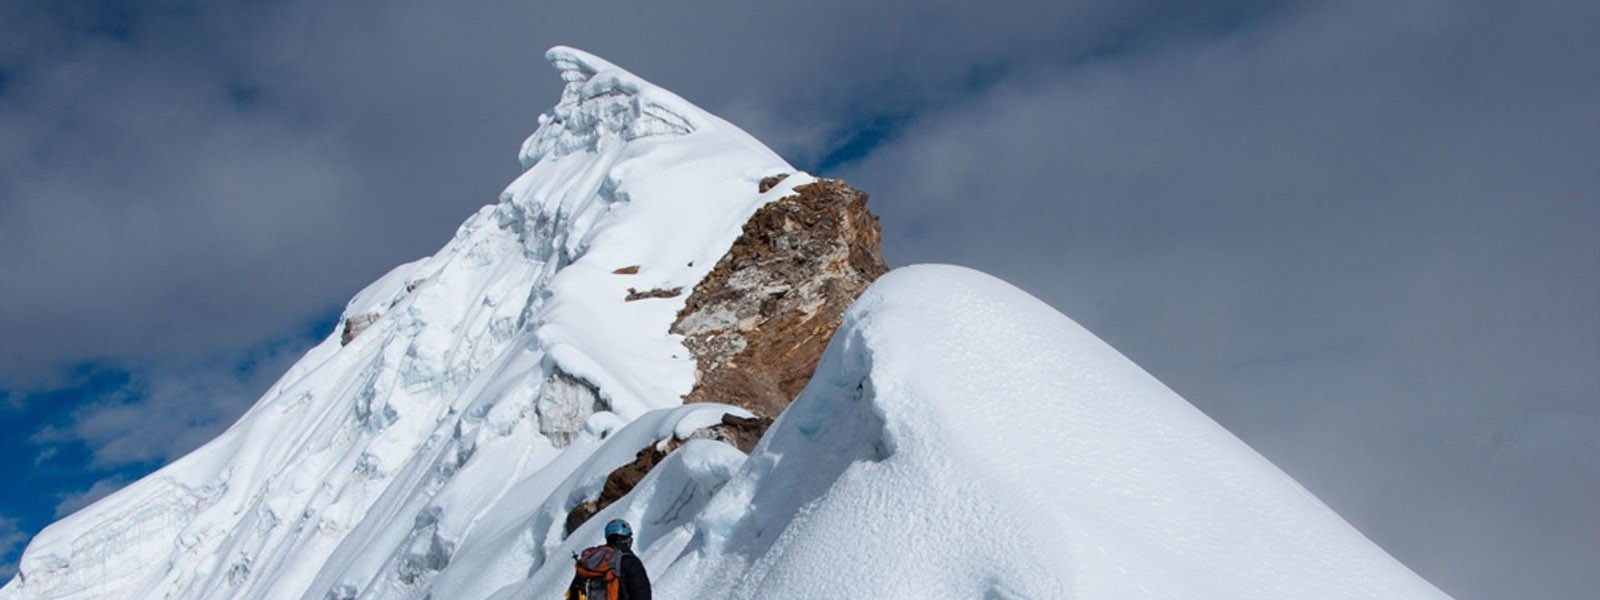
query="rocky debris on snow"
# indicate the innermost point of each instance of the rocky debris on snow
(770, 181)
(628, 270)
(618, 484)
(634, 294)
(758, 323)
(740, 432)
(734, 430)
(354, 325)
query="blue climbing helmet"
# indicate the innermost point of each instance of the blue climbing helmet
(618, 527)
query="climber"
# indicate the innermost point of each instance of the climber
(610, 572)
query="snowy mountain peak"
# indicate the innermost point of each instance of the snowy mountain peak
(461, 406)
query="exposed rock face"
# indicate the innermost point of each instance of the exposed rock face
(767, 183)
(735, 431)
(634, 294)
(758, 323)
(618, 484)
(741, 433)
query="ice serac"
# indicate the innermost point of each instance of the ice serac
(435, 442)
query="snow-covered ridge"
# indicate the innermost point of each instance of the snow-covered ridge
(961, 439)
(461, 390)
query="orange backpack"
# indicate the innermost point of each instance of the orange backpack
(599, 574)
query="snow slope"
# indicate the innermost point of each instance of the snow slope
(475, 381)
(960, 439)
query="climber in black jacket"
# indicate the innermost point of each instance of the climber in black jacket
(612, 571)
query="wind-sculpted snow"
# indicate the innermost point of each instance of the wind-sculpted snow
(459, 391)
(960, 439)
(599, 100)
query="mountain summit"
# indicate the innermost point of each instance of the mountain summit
(613, 339)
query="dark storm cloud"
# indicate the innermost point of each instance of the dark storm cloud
(183, 178)
(1364, 237)
(148, 215)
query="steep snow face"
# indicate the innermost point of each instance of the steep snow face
(961, 439)
(449, 414)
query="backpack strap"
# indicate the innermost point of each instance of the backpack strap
(614, 562)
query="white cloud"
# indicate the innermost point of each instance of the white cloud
(162, 415)
(11, 540)
(71, 503)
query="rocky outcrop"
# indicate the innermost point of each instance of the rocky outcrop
(618, 484)
(634, 294)
(758, 323)
(738, 432)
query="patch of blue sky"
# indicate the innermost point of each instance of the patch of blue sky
(40, 471)
(49, 464)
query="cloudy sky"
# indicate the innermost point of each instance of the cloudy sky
(1364, 236)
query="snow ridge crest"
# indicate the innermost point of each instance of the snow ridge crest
(603, 100)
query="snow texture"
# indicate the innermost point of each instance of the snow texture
(420, 441)
(960, 439)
